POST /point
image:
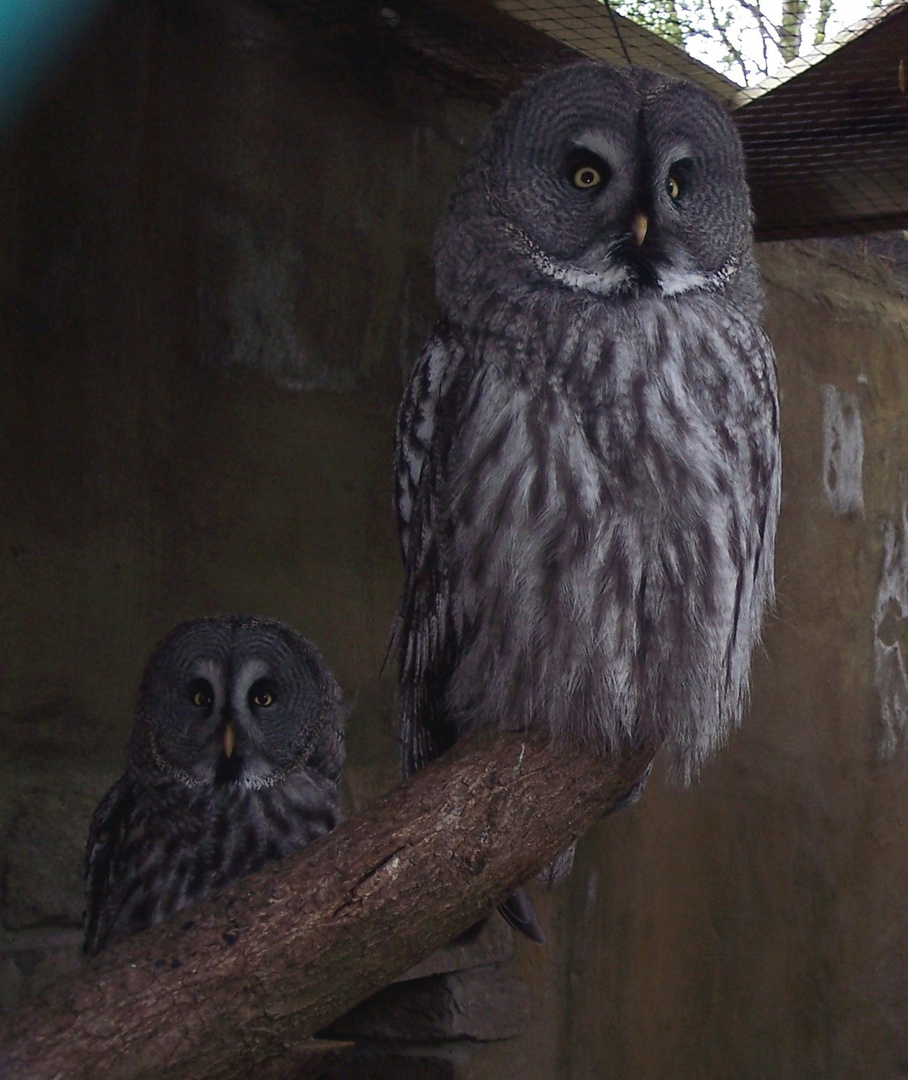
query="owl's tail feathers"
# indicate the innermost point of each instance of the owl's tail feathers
(518, 912)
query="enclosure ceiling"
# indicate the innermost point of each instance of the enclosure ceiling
(500, 42)
(586, 27)
(826, 139)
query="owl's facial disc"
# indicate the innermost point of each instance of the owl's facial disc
(207, 724)
(239, 759)
(264, 709)
(229, 729)
(647, 247)
(229, 764)
(599, 236)
(231, 700)
(216, 737)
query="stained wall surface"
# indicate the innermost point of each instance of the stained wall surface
(214, 272)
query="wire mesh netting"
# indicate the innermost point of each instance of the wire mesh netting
(826, 136)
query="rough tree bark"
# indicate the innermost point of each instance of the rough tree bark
(240, 981)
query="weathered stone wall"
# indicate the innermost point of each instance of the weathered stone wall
(213, 273)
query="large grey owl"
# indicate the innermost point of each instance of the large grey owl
(236, 754)
(588, 466)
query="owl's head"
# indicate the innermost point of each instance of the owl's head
(237, 700)
(610, 181)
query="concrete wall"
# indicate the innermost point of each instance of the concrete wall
(213, 274)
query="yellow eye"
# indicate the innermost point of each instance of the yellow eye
(672, 187)
(202, 699)
(263, 698)
(587, 177)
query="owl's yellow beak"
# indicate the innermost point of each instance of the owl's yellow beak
(228, 739)
(641, 223)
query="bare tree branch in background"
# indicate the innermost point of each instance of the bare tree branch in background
(769, 34)
(819, 34)
(747, 43)
(793, 13)
(720, 26)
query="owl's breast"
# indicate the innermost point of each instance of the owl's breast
(214, 834)
(645, 431)
(671, 397)
(606, 510)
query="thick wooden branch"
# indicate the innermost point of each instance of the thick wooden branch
(242, 979)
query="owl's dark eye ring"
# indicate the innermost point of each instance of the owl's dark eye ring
(681, 175)
(261, 696)
(201, 695)
(586, 177)
(585, 170)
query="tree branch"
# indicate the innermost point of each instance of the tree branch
(825, 10)
(769, 33)
(242, 979)
(735, 56)
(793, 13)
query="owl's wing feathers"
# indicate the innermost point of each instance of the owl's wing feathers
(765, 471)
(415, 440)
(109, 827)
(755, 511)
(427, 625)
(424, 631)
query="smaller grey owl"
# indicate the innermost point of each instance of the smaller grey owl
(236, 754)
